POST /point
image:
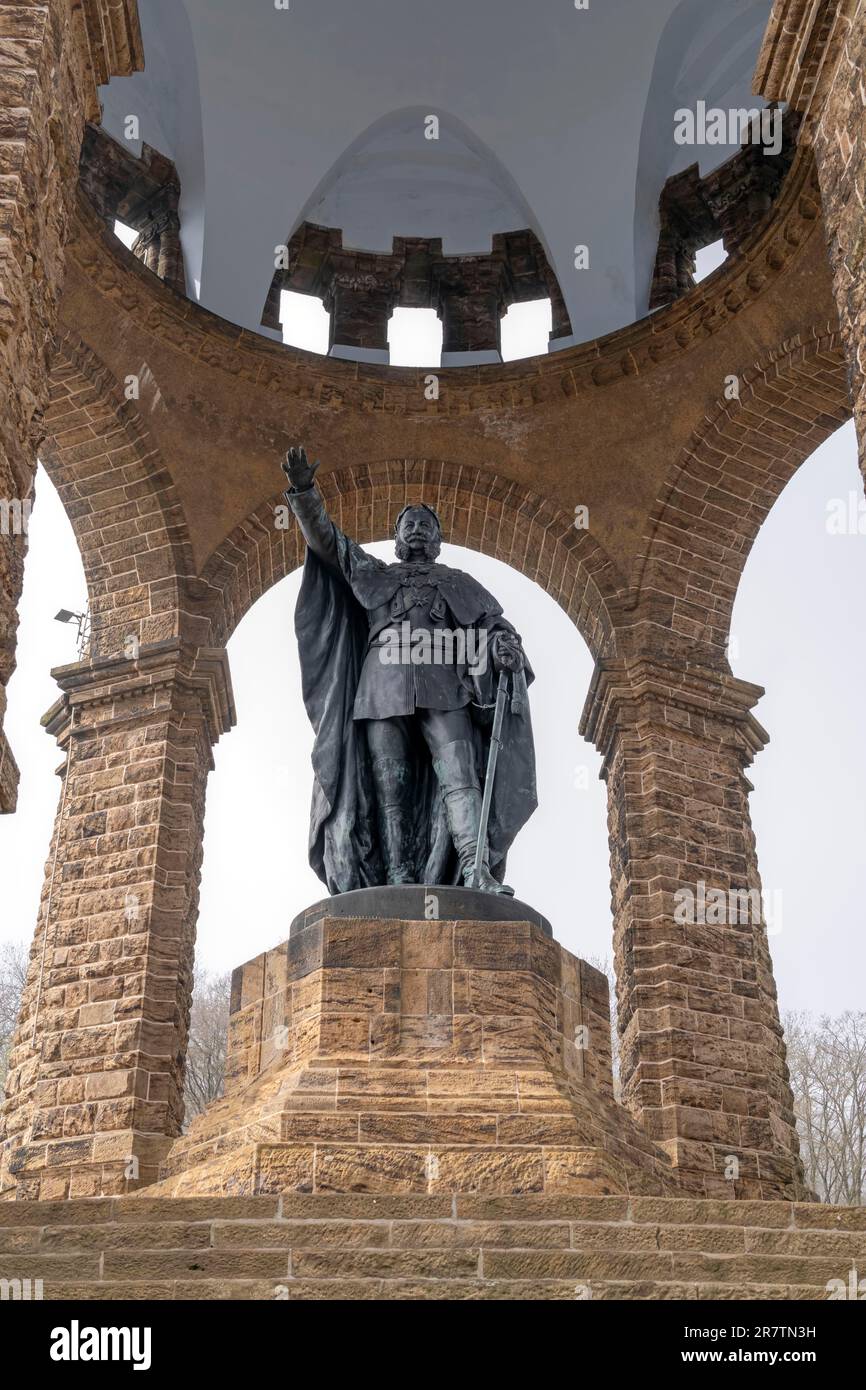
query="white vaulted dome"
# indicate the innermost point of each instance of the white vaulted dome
(554, 119)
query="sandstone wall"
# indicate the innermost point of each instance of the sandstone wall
(361, 1246)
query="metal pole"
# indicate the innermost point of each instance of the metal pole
(495, 742)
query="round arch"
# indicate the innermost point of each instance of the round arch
(478, 509)
(120, 500)
(719, 492)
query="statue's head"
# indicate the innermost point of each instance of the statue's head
(418, 533)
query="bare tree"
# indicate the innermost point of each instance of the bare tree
(209, 1021)
(606, 967)
(208, 1035)
(13, 972)
(827, 1062)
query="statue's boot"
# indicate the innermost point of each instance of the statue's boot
(392, 778)
(454, 765)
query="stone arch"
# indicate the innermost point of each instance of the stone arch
(720, 491)
(120, 499)
(480, 510)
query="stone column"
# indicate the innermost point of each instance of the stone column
(703, 1060)
(52, 55)
(158, 246)
(814, 57)
(94, 1093)
(146, 247)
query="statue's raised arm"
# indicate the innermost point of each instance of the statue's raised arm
(306, 502)
(298, 469)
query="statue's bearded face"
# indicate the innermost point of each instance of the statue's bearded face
(418, 535)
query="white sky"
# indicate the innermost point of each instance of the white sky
(797, 630)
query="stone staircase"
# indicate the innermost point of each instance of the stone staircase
(416, 1247)
(379, 1130)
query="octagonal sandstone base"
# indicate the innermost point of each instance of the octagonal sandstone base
(390, 1056)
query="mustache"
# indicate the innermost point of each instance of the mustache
(431, 546)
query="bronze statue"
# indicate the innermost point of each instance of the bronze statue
(400, 665)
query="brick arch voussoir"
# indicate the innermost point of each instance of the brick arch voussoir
(478, 509)
(723, 486)
(120, 500)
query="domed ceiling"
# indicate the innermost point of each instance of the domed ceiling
(548, 117)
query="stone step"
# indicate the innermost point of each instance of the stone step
(360, 1245)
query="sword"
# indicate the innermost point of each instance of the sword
(495, 743)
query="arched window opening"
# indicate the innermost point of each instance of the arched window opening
(797, 630)
(136, 192)
(415, 338)
(304, 321)
(53, 580)
(258, 800)
(708, 259)
(128, 235)
(526, 329)
(697, 212)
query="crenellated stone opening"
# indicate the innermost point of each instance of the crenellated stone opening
(470, 293)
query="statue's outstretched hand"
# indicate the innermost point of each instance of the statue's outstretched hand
(507, 652)
(299, 472)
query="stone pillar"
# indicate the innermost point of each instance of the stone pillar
(94, 1093)
(52, 55)
(360, 306)
(814, 57)
(470, 302)
(703, 1060)
(170, 266)
(146, 248)
(158, 246)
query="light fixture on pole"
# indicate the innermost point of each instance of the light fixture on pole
(82, 620)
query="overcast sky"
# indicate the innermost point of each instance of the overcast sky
(797, 630)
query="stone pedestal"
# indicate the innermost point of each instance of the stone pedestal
(377, 1055)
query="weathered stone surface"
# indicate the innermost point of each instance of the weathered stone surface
(363, 1246)
(814, 58)
(94, 1089)
(52, 57)
(703, 1061)
(402, 1057)
(142, 192)
(470, 293)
